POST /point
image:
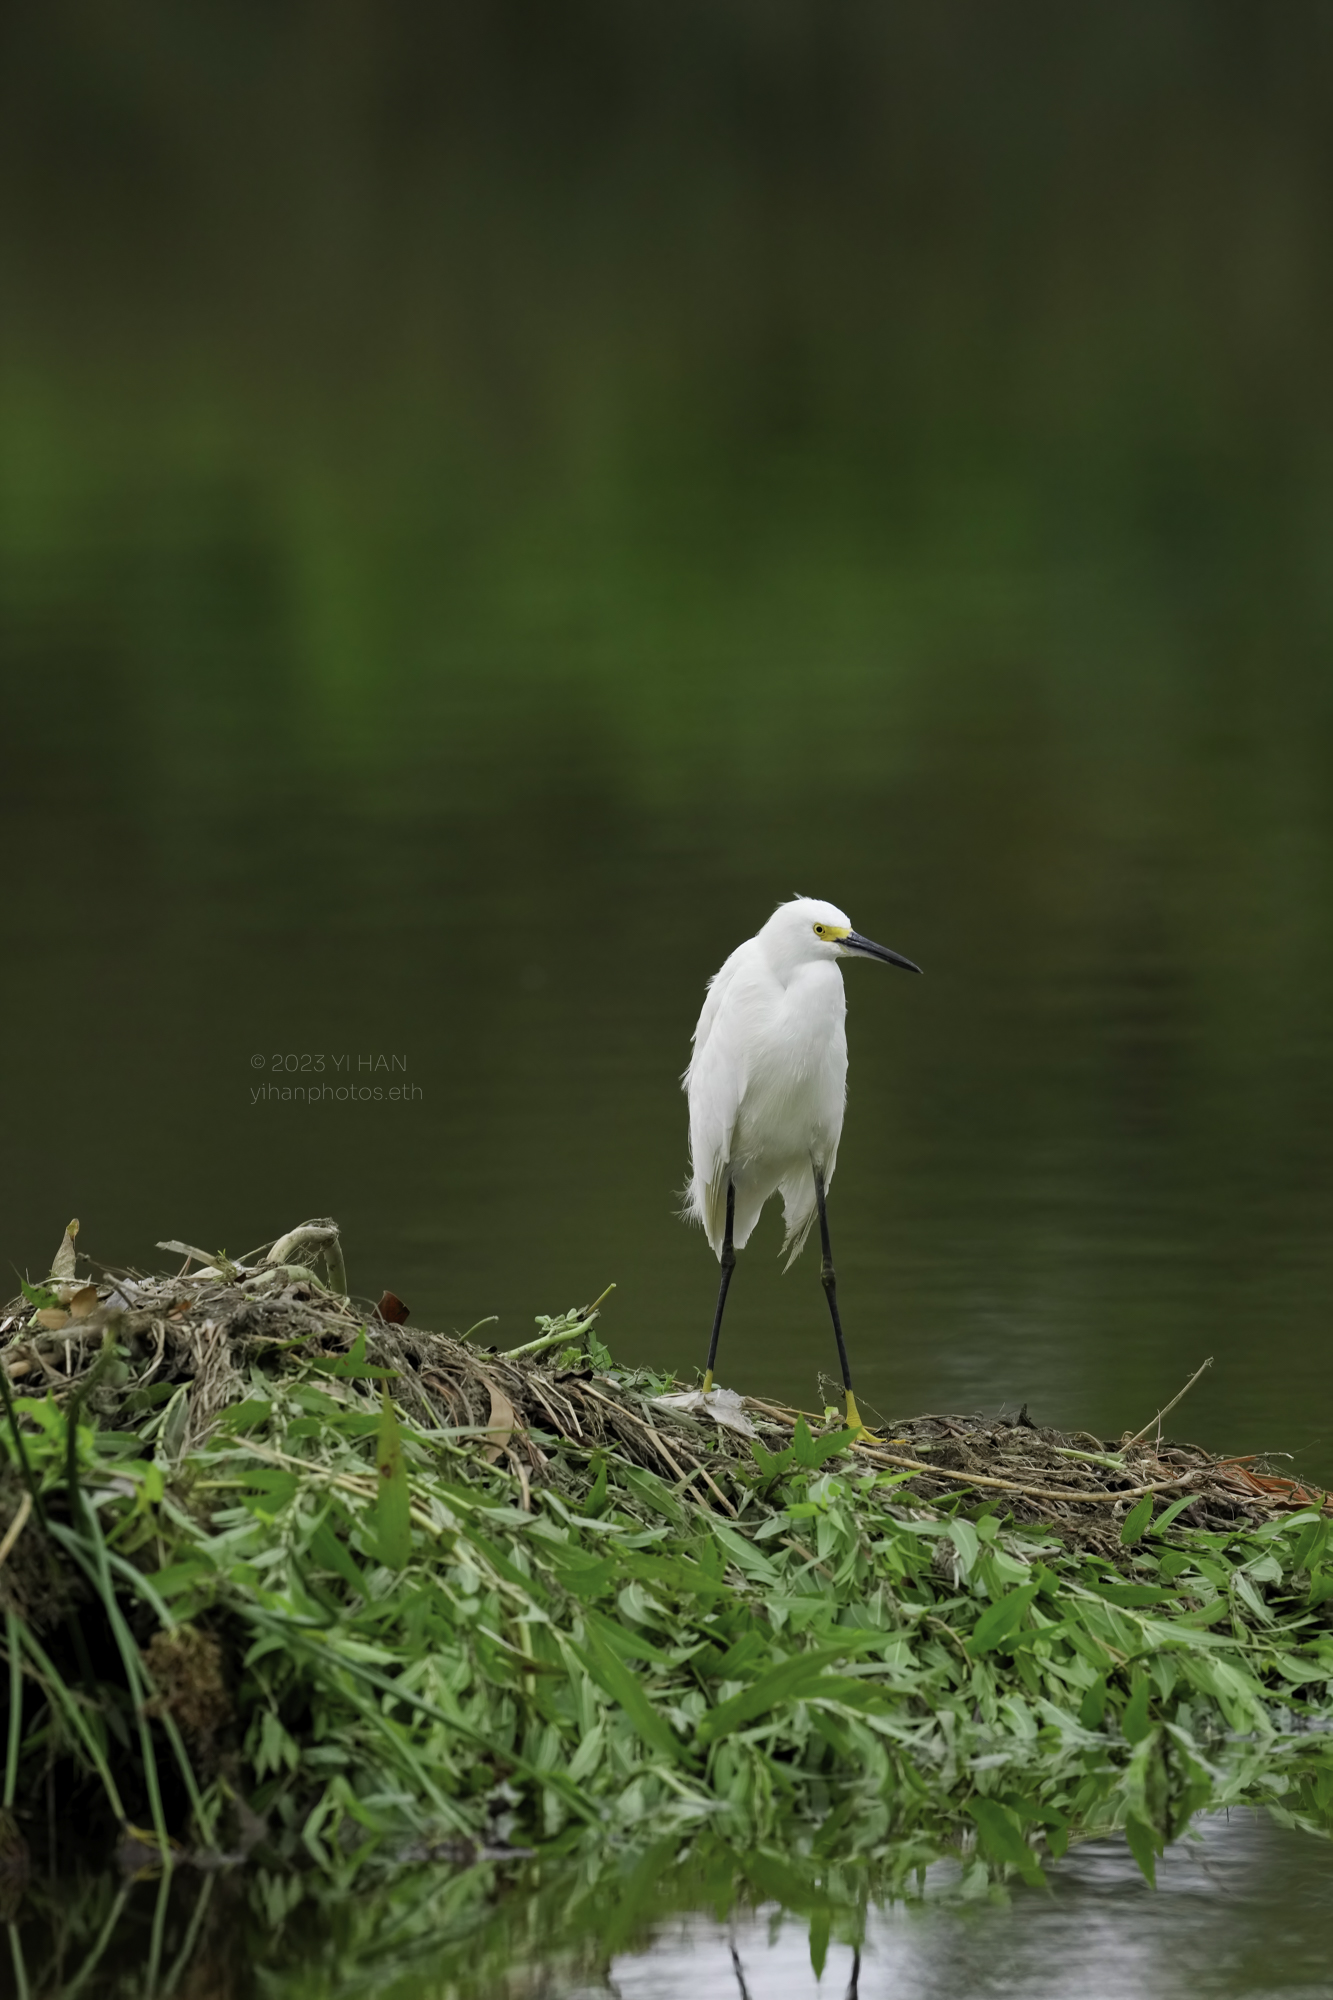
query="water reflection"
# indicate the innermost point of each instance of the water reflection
(1243, 1912)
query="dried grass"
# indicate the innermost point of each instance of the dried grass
(197, 1333)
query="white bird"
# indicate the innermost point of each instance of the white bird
(767, 1087)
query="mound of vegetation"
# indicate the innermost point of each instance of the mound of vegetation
(283, 1578)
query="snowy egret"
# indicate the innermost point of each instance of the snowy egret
(767, 1086)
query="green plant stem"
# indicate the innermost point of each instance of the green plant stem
(104, 1937)
(98, 1573)
(565, 1337)
(186, 1952)
(15, 1738)
(64, 1698)
(155, 1941)
(20, 1969)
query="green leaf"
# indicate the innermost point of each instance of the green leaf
(583, 1576)
(1137, 1522)
(1143, 1846)
(624, 1686)
(348, 1371)
(175, 1424)
(1203, 1615)
(277, 1487)
(1132, 1594)
(999, 1620)
(530, 1587)
(810, 1453)
(785, 1682)
(1164, 1520)
(1001, 1837)
(744, 1554)
(771, 1464)
(775, 1880)
(847, 1689)
(332, 1554)
(1135, 1722)
(353, 1366)
(1250, 1598)
(241, 1416)
(820, 1926)
(967, 1542)
(393, 1503)
(1034, 1810)
(630, 1645)
(1311, 1545)
(651, 1492)
(179, 1577)
(595, 1504)
(1092, 1708)
(741, 1659)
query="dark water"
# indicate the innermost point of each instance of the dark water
(487, 507)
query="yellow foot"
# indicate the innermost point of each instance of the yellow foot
(854, 1423)
(708, 1380)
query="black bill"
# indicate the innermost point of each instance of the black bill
(868, 949)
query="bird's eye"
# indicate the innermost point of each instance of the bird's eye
(819, 930)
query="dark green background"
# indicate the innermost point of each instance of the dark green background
(493, 498)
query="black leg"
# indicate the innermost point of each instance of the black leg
(828, 1277)
(728, 1262)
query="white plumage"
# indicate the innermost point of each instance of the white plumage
(767, 1085)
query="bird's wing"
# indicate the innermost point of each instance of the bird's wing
(715, 1083)
(717, 987)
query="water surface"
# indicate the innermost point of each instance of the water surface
(1241, 1911)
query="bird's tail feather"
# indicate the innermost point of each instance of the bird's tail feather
(798, 1212)
(705, 1202)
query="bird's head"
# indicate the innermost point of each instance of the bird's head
(806, 928)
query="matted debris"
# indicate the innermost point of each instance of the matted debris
(190, 1339)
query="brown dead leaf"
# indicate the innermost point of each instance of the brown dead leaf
(83, 1302)
(503, 1422)
(392, 1310)
(62, 1269)
(1280, 1491)
(51, 1317)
